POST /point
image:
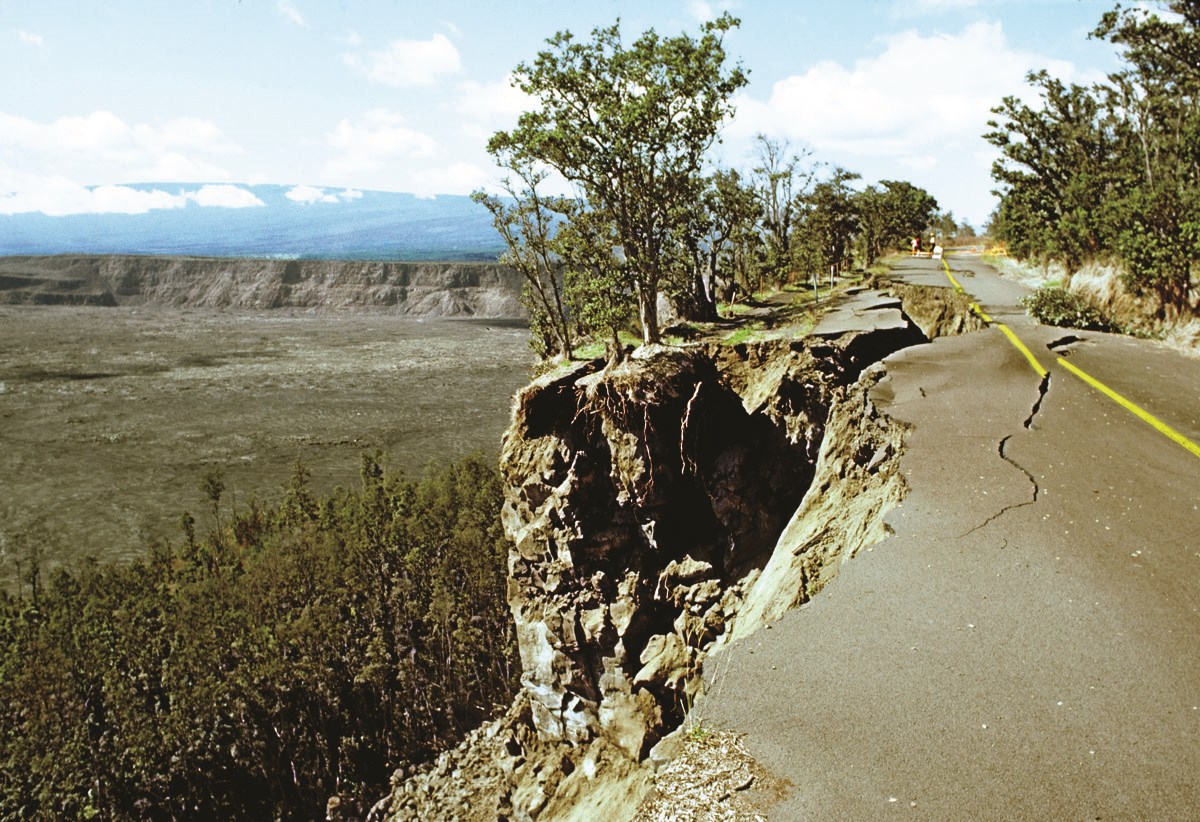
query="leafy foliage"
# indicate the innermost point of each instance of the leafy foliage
(1114, 169)
(527, 223)
(295, 652)
(891, 215)
(829, 221)
(1054, 305)
(628, 126)
(781, 182)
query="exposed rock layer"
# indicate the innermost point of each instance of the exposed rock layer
(420, 289)
(646, 504)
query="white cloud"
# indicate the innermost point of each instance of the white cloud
(406, 63)
(188, 133)
(224, 196)
(378, 139)
(29, 38)
(920, 91)
(289, 12)
(705, 10)
(44, 165)
(456, 178)
(307, 195)
(921, 102)
(58, 196)
(125, 200)
(701, 10)
(380, 151)
(101, 144)
(177, 167)
(499, 102)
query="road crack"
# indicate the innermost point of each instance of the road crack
(1002, 450)
(1043, 387)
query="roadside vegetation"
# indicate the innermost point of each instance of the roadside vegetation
(281, 654)
(650, 224)
(1055, 305)
(1109, 174)
(274, 657)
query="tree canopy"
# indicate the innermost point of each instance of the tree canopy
(294, 652)
(629, 126)
(1113, 169)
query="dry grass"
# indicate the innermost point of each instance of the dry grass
(714, 779)
(1100, 283)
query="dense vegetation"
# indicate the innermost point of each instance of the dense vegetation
(291, 653)
(628, 128)
(1055, 305)
(1112, 170)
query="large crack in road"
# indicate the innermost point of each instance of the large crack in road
(1002, 450)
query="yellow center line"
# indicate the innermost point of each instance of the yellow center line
(1038, 368)
(1144, 416)
(1137, 411)
(1020, 346)
(975, 307)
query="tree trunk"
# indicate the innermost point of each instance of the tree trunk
(706, 290)
(648, 311)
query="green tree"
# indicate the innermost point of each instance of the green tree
(1060, 172)
(730, 212)
(595, 278)
(526, 221)
(629, 127)
(1158, 94)
(890, 215)
(828, 224)
(330, 641)
(779, 181)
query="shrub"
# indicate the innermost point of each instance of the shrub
(294, 652)
(1054, 305)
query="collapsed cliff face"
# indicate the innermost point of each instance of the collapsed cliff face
(643, 499)
(654, 507)
(420, 289)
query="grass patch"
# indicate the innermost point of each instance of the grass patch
(697, 731)
(747, 333)
(734, 309)
(588, 351)
(805, 296)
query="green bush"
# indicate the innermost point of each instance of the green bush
(294, 652)
(1054, 305)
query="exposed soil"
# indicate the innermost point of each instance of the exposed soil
(109, 417)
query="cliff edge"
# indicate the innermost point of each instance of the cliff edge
(428, 289)
(656, 508)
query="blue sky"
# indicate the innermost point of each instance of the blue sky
(338, 96)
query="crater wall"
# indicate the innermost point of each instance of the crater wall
(426, 289)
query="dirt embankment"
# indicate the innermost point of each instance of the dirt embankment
(432, 289)
(654, 507)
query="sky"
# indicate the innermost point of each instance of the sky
(333, 97)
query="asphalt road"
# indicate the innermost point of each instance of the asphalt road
(1027, 643)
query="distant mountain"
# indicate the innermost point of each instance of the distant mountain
(309, 224)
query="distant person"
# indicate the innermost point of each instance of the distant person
(916, 246)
